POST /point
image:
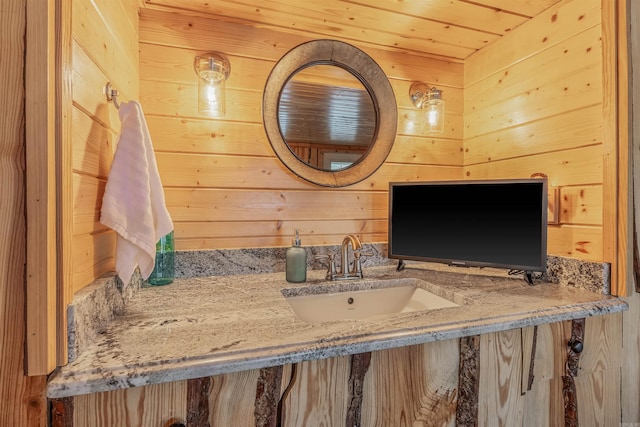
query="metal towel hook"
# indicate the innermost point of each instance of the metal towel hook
(112, 94)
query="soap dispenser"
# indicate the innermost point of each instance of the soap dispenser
(296, 262)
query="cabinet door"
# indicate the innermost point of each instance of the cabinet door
(318, 393)
(413, 386)
(222, 400)
(153, 405)
(599, 375)
(521, 383)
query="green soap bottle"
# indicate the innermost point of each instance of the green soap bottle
(296, 262)
(164, 268)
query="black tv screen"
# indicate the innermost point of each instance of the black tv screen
(493, 223)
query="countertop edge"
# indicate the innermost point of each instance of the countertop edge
(186, 369)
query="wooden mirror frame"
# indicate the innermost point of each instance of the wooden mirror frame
(365, 69)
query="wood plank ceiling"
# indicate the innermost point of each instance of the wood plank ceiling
(445, 29)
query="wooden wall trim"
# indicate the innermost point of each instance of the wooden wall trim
(64, 173)
(633, 15)
(22, 398)
(624, 142)
(41, 192)
(616, 171)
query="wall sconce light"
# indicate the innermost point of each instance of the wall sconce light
(213, 70)
(430, 101)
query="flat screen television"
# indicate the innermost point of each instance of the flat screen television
(489, 223)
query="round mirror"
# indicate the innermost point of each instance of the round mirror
(327, 117)
(330, 113)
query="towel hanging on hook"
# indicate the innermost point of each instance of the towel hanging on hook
(112, 94)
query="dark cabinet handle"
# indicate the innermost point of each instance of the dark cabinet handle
(576, 346)
(174, 423)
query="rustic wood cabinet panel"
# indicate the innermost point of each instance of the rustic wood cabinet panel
(599, 376)
(412, 386)
(630, 385)
(148, 406)
(597, 382)
(500, 379)
(232, 399)
(521, 384)
(319, 393)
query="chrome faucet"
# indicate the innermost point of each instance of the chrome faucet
(344, 272)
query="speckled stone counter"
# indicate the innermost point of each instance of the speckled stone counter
(206, 326)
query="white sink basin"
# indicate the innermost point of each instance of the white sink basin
(324, 303)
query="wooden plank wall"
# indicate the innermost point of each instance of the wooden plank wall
(226, 189)
(213, 169)
(224, 186)
(22, 401)
(533, 104)
(104, 48)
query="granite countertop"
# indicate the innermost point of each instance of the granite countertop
(197, 327)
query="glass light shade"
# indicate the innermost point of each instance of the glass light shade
(433, 115)
(213, 69)
(211, 98)
(430, 102)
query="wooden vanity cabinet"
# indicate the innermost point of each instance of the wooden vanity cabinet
(518, 376)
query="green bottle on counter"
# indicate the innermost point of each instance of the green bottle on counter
(296, 262)
(164, 269)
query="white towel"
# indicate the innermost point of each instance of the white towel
(133, 203)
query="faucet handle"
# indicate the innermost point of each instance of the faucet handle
(365, 253)
(361, 252)
(357, 264)
(331, 269)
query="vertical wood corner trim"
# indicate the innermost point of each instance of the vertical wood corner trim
(64, 173)
(634, 137)
(468, 381)
(268, 397)
(568, 382)
(636, 258)
(359, 366)
(41, 356)
(198, 391)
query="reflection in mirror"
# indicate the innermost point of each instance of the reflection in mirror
(327, 117)
(353, 151)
